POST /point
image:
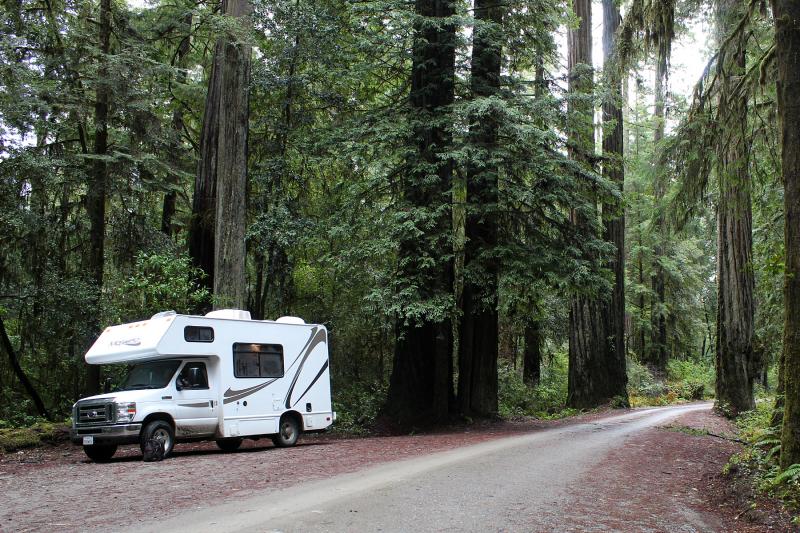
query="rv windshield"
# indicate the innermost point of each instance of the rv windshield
(152, 375)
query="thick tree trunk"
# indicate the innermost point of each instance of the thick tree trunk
(478, 345)
(230, 284)
(96, 196)
(736, 307)
(613, 310)
(219, 210)
(657, 356)
(787, 58)
(204, 203)
(420, 387)
(586, 334)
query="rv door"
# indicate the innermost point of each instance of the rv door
(195, 406)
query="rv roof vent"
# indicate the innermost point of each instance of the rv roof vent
(234, 314)
(291, 320)
(162, 314)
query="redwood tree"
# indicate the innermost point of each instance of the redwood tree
(585, 327)
(98, 182)
(736, 306)
(219, 211)
(478, 346)
(420, 387)
(787, 58)
(613, 309)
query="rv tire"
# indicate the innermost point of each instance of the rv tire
(100, 453)
(159, 430)
(229, 445)
(288, 432)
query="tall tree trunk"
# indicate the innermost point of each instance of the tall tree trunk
(613, 310)
(586, 376)
(478, 344)
(420, 387)
(736, 307)
(202, 226)
(787, 58)
(219, 210)
(657, 356)
(96, 196)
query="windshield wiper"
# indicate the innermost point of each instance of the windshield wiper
(140, 386)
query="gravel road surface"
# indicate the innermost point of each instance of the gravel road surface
(528, 482)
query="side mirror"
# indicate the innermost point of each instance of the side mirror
(178, 385)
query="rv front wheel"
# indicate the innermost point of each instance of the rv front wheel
(229, 445)
(288, 432)
(100, 453)
(161, 431)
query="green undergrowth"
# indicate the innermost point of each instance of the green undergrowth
(37, 433)
(357, 407)
(546, 400)
(684, 380)
(759, 459)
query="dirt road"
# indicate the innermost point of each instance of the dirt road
(600, 474)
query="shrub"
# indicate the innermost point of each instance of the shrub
(690, 379)
(545, 400)
(357, 406)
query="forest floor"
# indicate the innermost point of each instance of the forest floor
(54, 487)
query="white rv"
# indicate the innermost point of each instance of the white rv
(221, 376)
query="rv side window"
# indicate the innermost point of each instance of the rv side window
(198, 334)
(193, 376)
(257, 360)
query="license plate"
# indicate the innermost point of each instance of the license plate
(88, 441)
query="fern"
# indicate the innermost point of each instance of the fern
(790, 474)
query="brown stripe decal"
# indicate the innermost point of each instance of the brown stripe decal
(201, 404)
(319, 374)
(233, 395)
(318, 337)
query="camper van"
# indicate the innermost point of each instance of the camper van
(220, 377)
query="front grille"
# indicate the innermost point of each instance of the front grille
(94, 413)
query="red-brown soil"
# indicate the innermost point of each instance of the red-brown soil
(656, 473)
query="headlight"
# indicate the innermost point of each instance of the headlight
(126, 411)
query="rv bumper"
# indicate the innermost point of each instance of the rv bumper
(111, 434)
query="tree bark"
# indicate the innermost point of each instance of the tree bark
(96, 195)
(478, 345)
(586, 330)
(613, 310)
(219, 210)
(787, 58)
(230, 285)
(736, 306)
(420, 387)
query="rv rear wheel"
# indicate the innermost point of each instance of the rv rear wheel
(288, 432)
(229, 445)
(159, 430)
(100, 453)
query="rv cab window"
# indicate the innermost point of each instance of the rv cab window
(193, 376)
(257, 360)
